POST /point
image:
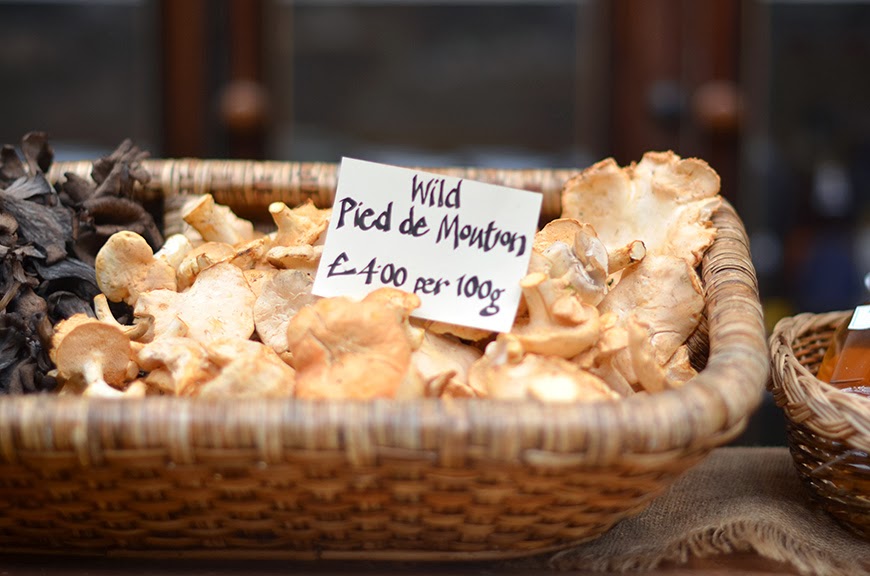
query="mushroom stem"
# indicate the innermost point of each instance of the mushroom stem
(625, 256)
(536, 300)
(204, 216)
(174, 249)
(92, 374)
(10, 294)
(283, 217)
(104, 314)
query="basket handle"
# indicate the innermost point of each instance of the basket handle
(256, 184)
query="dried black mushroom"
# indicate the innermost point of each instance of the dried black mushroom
(105, 205)
(49, 237)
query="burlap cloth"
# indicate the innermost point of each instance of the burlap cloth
(737, 500)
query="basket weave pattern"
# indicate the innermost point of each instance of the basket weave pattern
(424, 479)
(828, 430)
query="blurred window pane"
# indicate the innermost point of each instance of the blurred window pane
(83, 71)
(483, 83)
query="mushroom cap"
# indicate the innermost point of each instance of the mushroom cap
(301, 225)
(93, 342)
(175, 364)
(216, 222)
(301, 257)
(466, 333)
(348, 349)
(447, 360)
(573, 257)
(126, 267)
(258, 278)
(662, 292)
(280, 300)
(199, 258)
(506, 374)
(557, 325)
(248, 369)
(220, 304)
(664, 201)
(558, 230)
(174, 249)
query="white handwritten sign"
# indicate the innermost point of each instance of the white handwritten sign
(461, 246)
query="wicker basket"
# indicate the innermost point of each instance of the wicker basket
(421, 480)
(828, 430)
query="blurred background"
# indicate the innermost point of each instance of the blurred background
(774, 94)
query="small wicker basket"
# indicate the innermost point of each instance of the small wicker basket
(828, 430)
(418, 480)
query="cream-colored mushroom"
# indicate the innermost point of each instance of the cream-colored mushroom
(248, 369)
(216, 222)
(280, 300)
(348, 349)
(465, 333)
(649, 374)
(574, 259)
(135, 331)
(174, 249)
(301, 257)
(636, 366)
(245, 256)
(443, 362)
(198, 259)
(664, 293)
(301, 225)
(664, 201)
(508, 374)
(259, 278)
(176, 365)
(126, 267)
(93, 358)
(404, 303)
(557, 325)
(220, 304)
(577, 261)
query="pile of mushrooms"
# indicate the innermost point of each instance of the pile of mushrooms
(224, 310)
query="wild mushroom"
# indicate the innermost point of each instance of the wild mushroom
(506, 373)
(664, 293)
(176, 365)
(93, 357)
(631, 366)
(135, 331)
(302, 257)
(652, 376)
(664, 201)
(404, 303)
(464, 333)
(443, 362)
(218, 305)
(174, 249)
(301, 225)
(126, 267)
(347, 349)
(280, 300)
(258, 278)
(199, 258)
(245, 256)
(571, 254)
(248, 369)
(216, 222)
(557, 325)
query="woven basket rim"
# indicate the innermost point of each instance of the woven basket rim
(807, 401)
(706, 412)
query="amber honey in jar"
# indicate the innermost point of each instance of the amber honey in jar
(846, 363)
